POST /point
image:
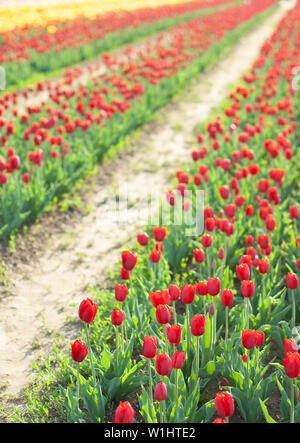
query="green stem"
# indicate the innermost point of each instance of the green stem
(292, 402)
(246, 313)
(150, 381)
(176, 385)
(187, 330)
(91, 354)
(226, 330)
(197, 358)
(294, 310)
(174, 309)
(161, 407)
(78, 384)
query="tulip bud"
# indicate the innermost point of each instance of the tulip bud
(245, 358)
(213, 286)
(224, 382)
(211, 309)
(187, 294)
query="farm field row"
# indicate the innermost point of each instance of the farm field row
(76, 126)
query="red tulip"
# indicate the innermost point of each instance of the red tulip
(143, 238)
(243, 271)
(199, 255)
(159, 297)
(79, 350)
(120, 292)
(263, 266)
(260, 338)
(202, 287)
(224, 404)
(124, 413)
(149, 346)
(213, 286)
(174, 292)
(159, 233)
(249, 338)
(129, 260)
(87, 310)
(187, 294)
(163, 364)
(292, 364)
(174, 334)
(248, 288)
(206, 240)
(163, 314)
(160, 391)
(178, 359)
(227, 297)
(155, 256)
(117, 317)
(292, 281)
(294, 211)
(198, 323)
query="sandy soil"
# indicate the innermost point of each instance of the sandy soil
(42, 293)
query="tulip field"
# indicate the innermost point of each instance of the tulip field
(192, 325)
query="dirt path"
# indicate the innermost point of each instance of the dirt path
(40, 293)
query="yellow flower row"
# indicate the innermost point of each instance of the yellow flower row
(17, 15)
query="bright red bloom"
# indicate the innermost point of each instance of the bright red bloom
(227, 297)
(163, 364)
(260, 338)
(160, 391)
(249, 338)
(292, 364)
(174, 292)
(206, 240)
(178, 359)
(202, 287)
(159, 297)
(248, 288)
(294, 211)
(199, 255)
(187, 294)
(159, 233)
(163, 314)
(263, 265)
(174, 334)
(87, 310)
(198, 323)
(292, 281)
(149, 346)
(124, 413)
(213, 286)
(120, 292)
(79, 350)
(243, 271)
(129, 260)
(155, 256)
(224, 404)
(143, 238)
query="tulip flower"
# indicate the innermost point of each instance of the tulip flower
(213, 286)
(224, 404)
(163, 314)
(174, 292)
(174, 334)
(79, 350)
(149, 351)
(129, 260)
(159, 233)
(87, 310)
(243, 271)
(163, 364)
(143, 238)
(120, 292)
(124, 413)
(291, 364)
(292, 283)
(160, 391)
(249, 338)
